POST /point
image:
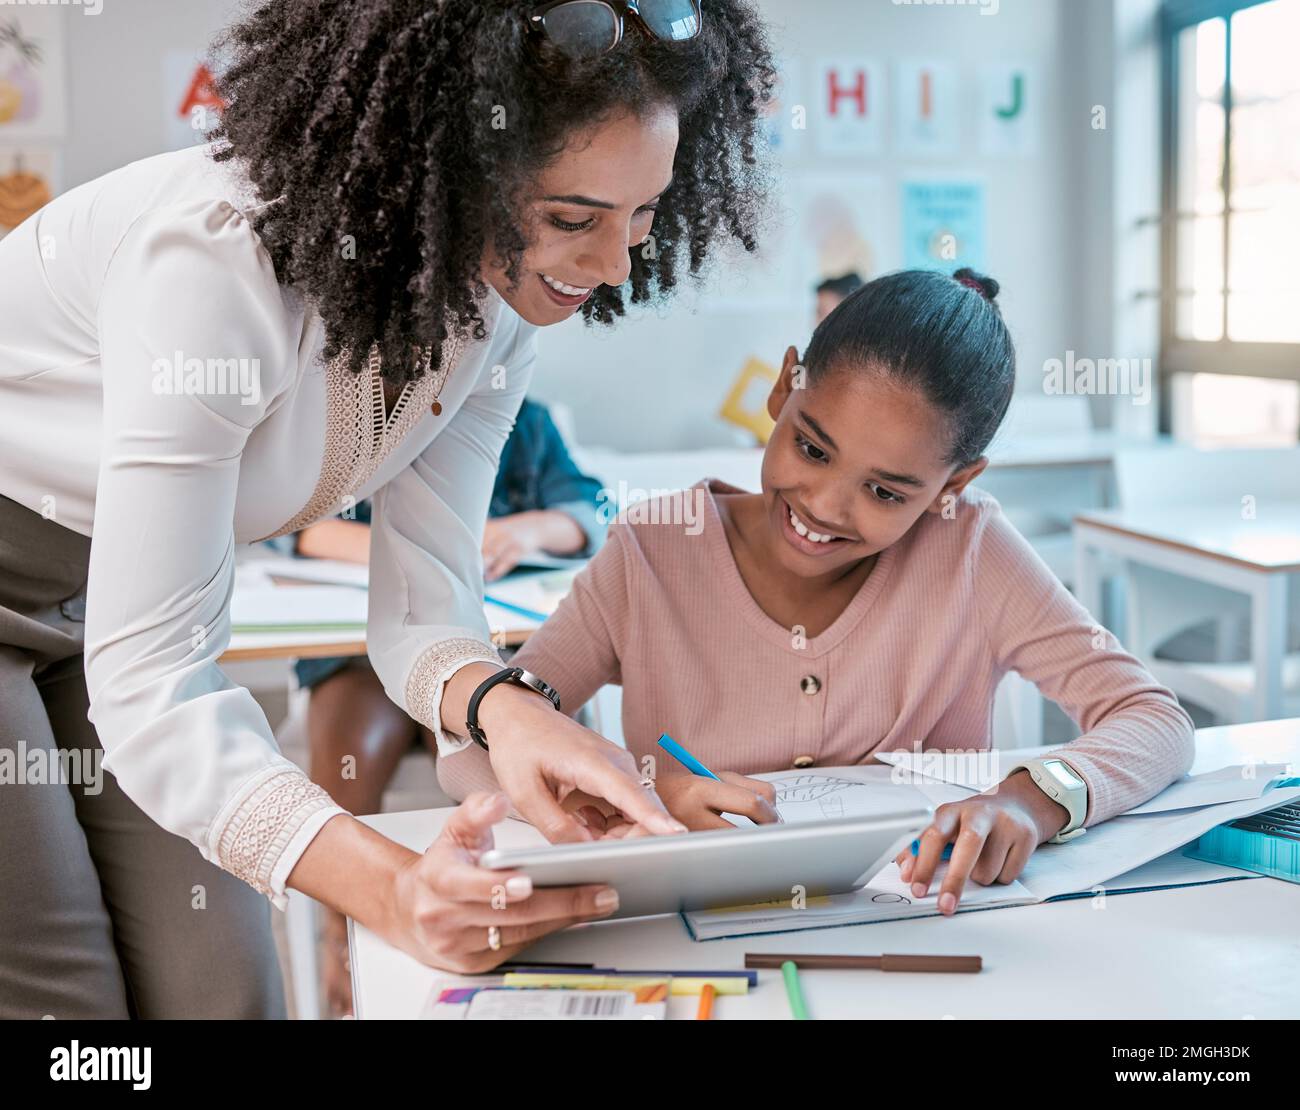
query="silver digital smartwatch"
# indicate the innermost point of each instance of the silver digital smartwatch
(1060, 782)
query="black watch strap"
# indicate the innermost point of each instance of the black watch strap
(514, 675)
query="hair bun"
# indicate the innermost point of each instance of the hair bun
(985, 286)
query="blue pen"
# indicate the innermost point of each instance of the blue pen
(532, 614)
(947, 850)
(685, 758)
(695, 767)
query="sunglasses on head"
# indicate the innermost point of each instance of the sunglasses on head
(589, 28)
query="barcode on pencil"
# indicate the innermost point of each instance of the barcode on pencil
(594, 1005)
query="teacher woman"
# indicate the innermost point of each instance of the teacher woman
(335, 299)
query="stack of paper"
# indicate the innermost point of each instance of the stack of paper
(298, 609)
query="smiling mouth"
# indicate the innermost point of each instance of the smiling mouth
(563, 293)
(810, 535)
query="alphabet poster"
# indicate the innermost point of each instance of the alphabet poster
(1009, 110)
(786, 120)
(927, 112)
(191, 105)
(849, 105)
(32, 81)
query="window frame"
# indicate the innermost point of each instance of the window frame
(1179, 355)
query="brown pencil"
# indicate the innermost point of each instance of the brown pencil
(887, 962)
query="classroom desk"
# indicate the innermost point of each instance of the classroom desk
(1210, 543)
(1229, 950)
(1090, 449)
(248, 646)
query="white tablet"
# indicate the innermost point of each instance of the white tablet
(724, 867)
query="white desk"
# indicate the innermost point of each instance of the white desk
(1092, 449)
(1224, 951)
(1210, 543)
(247, 646)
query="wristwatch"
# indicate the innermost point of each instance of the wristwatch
(516, 676)
(1060, 782)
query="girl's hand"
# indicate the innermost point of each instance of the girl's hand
(506, 540)
(698, 802)
(445, 904)
(993, 835)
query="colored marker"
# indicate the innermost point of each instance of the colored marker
(790, 972)
(706, 1003)
(947, 850)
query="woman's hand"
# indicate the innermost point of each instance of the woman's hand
(993, 835)
(540, 757)
(698, 802)
(444, 904)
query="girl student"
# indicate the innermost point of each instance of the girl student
(867, 599)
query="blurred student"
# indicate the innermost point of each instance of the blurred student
(832, 292)
(357, 736)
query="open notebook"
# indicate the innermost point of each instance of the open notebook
(1112, 858)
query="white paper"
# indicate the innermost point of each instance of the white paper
(980, 771)
(272, 606)
(538, 591)
(333, 572)
(1124, 843)
(1227, 784)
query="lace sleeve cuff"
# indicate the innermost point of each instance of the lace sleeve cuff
(429, 676)
(270, 827)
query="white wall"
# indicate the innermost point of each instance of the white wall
(1059, 225)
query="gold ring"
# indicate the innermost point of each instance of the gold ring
(494, 938)
(647, 783)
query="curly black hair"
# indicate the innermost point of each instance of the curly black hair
(381, 120)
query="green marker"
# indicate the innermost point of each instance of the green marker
(790, 972)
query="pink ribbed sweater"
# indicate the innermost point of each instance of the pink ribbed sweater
(912, 662)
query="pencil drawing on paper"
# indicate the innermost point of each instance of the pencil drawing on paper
(825, 790)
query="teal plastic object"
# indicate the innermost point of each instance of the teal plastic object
(1266, 843)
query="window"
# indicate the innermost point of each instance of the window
(1231, 243)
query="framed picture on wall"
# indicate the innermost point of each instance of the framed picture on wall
(29, 180)
(944, 223)
(33, 96)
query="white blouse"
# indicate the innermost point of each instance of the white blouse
(161, 392)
